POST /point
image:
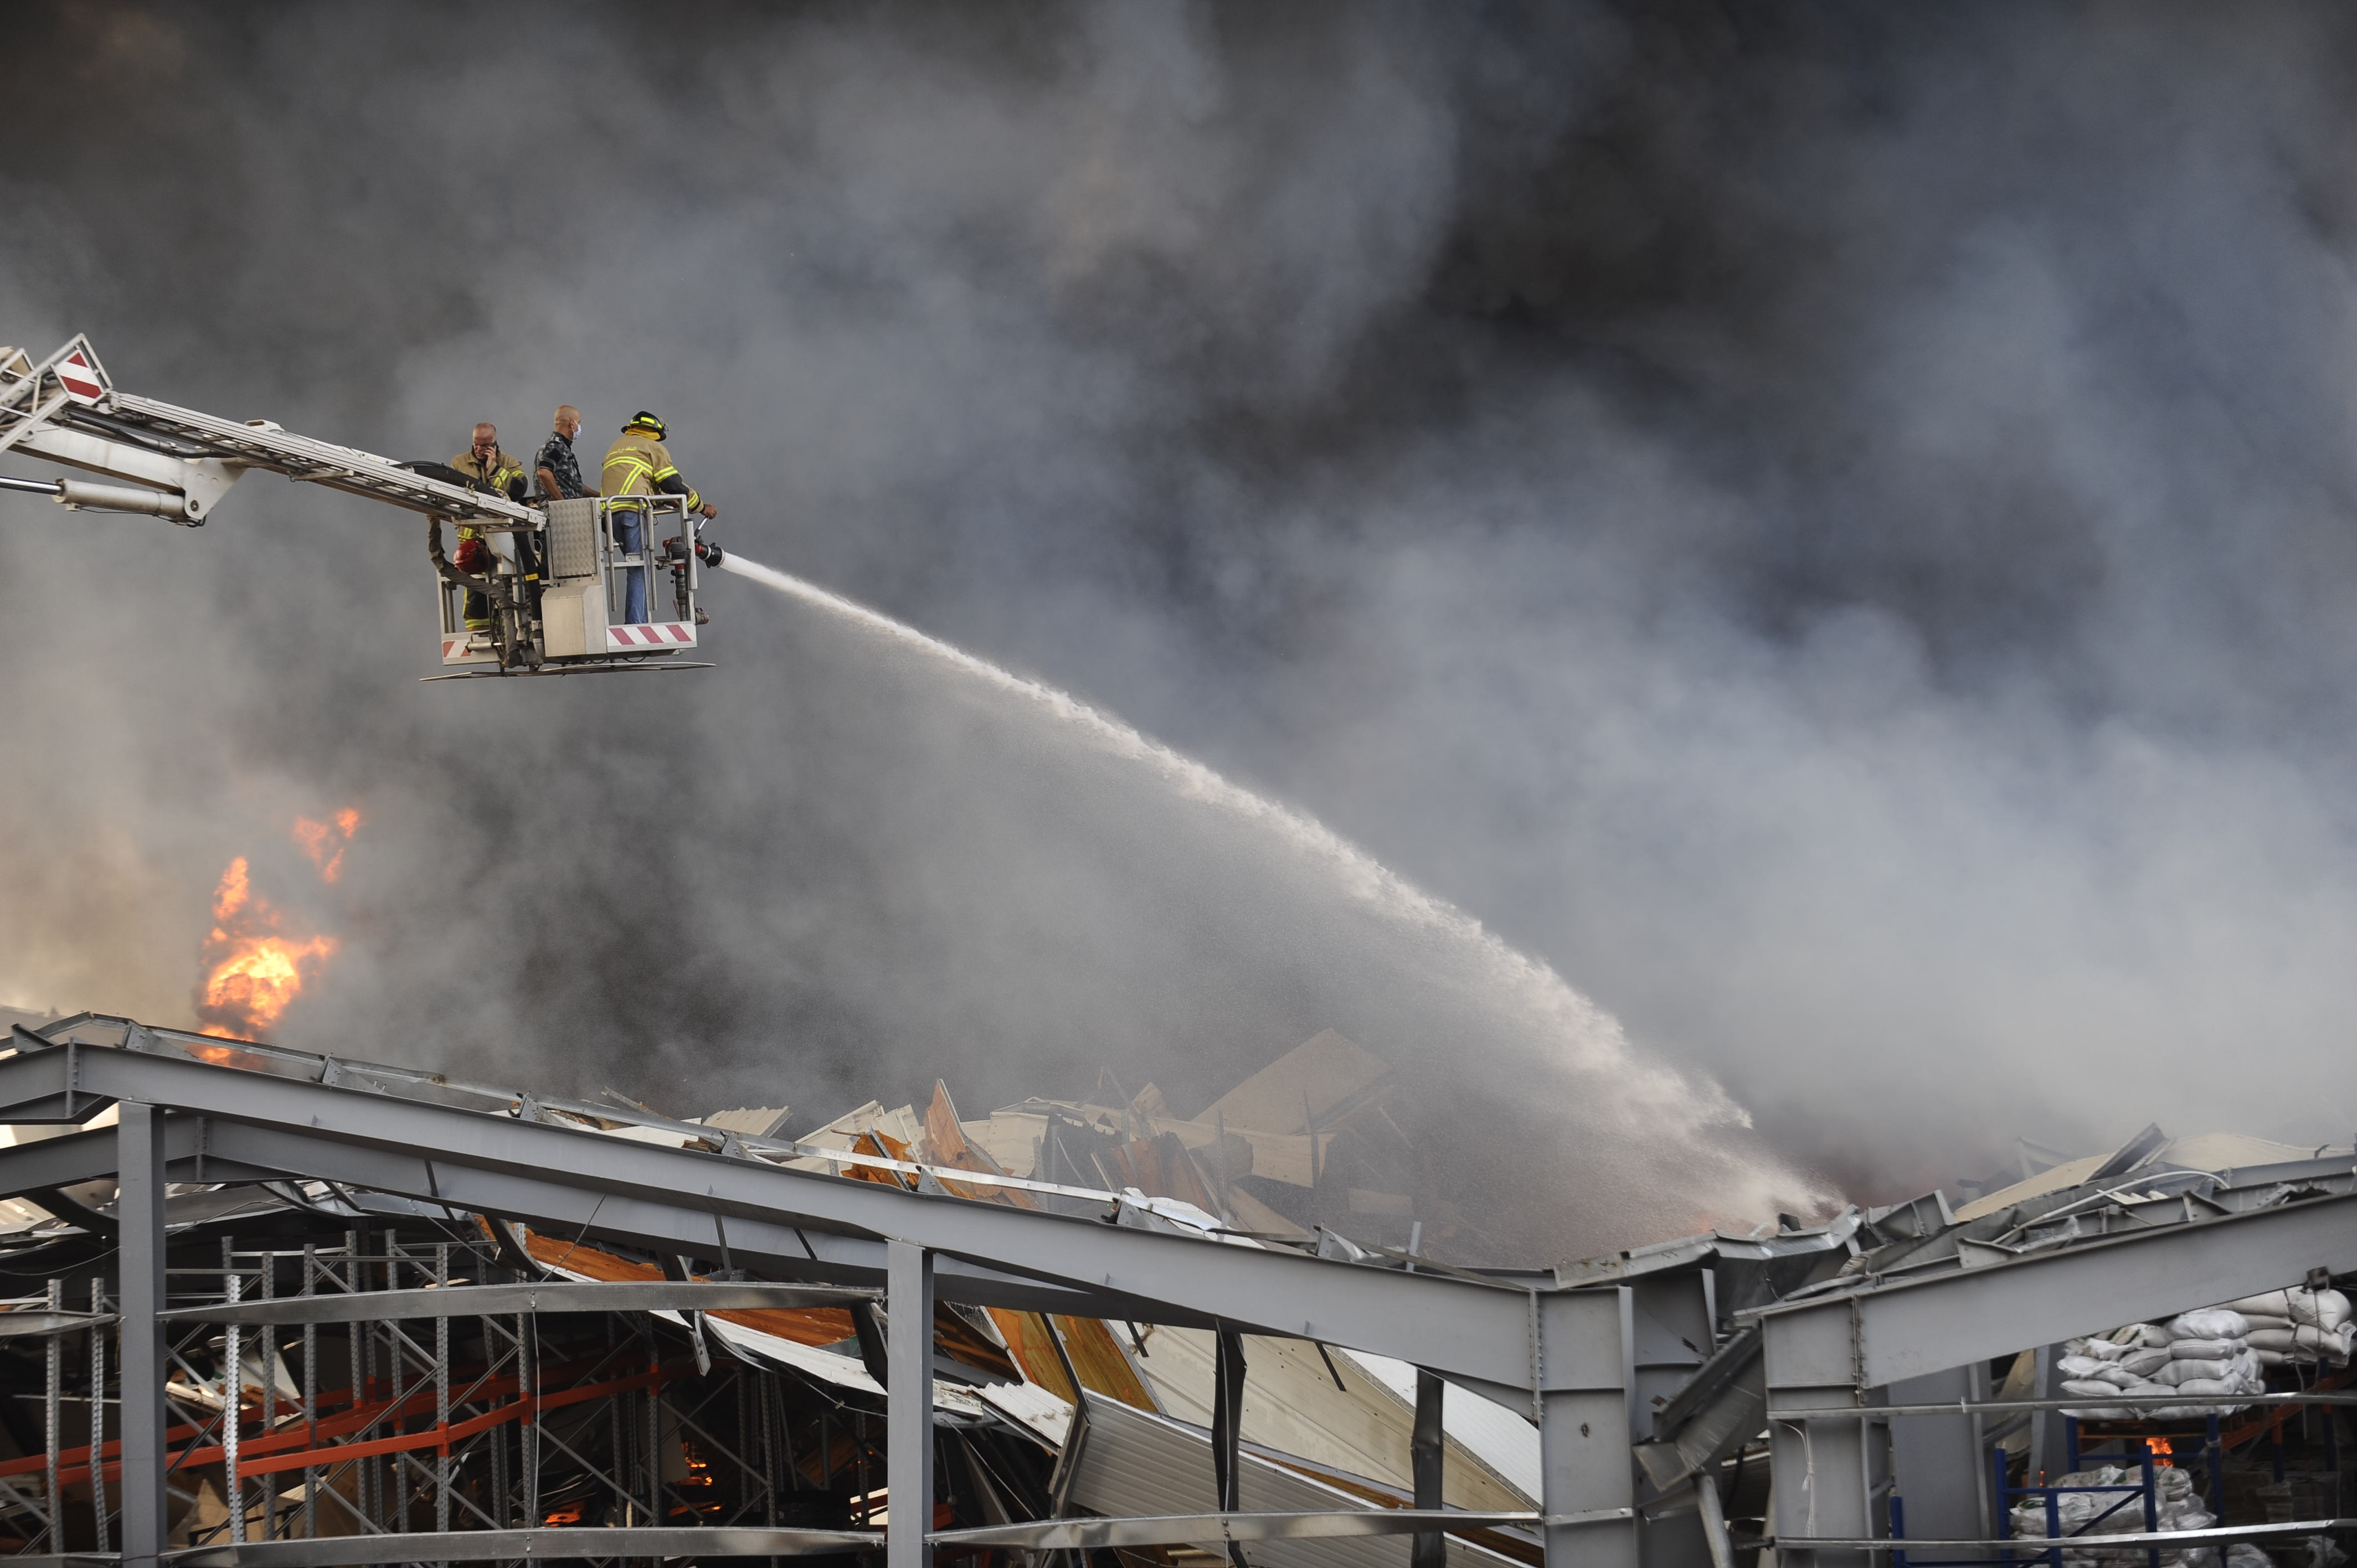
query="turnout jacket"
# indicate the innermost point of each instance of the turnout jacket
(502, 476)
(639, 465)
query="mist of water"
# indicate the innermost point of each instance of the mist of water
(1538, 1006)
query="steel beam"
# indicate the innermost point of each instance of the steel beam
(1454, 1326)
(1580, 1341)
(1429, 1458)
(546, 1296)
(1181, 1529)
(571, 1544)
(1907, 1329)
(583, 1212)
(909, 1448)
(139, 1212)
(1938, 1462)
(83, 1156)
(1670, 1337)
(1831, 1467)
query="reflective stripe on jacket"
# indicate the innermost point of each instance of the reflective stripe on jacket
(638, 464)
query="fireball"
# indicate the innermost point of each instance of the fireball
(252, 966)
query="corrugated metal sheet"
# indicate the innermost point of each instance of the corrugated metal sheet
(1136, 1463)
(1292, 1405)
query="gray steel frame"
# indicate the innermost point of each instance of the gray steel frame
(1556, 1353)
(1586, 1363)
(1837, 1355)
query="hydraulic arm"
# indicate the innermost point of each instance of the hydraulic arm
(547, 609)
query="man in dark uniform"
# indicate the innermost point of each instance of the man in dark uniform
(559, 470)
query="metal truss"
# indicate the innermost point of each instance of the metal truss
(195, 1111)
(413, 1388)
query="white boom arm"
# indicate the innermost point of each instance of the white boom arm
(65, 409)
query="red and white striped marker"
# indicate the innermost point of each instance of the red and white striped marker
(78, 378)
(654, 634)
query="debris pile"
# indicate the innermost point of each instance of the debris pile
(2109, 1499)
(1317, 1139)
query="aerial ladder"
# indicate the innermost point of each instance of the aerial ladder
(181, 463)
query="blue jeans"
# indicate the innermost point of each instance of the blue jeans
(630, 534)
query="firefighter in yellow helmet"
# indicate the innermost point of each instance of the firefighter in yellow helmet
(485, 467)
(638, 464)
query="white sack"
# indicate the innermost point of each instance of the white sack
(2207, 1349)
(2177, 1374)
(2209, 1388)
(2303, 1344)
(2208, 1323)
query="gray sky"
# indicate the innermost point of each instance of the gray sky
(1828, 525)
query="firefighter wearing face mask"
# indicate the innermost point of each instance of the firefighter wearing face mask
(485, 466)
(638, 464)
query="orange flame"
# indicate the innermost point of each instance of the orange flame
(323, 842)
(2160, 1451)
(251, 972)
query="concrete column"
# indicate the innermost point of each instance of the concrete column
(139, 1213)
(908, 1297)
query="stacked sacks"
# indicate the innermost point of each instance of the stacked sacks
(2205, 1353)
(2308, 1326)
(2176, 1509)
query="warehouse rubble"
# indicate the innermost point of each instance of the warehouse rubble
(402, 1306)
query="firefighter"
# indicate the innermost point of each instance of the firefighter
(637, 463)
(484, 467)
